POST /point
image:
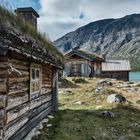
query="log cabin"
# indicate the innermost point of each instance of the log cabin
(117, 69)
(82, 63)
(28, 75)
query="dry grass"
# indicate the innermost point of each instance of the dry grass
(74, 122)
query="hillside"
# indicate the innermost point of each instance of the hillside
(117, 38)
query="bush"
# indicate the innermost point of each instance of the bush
(79, 80)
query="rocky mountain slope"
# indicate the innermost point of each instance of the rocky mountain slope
(117, 38)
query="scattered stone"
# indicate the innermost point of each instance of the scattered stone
(134, 89)
(136, 84)
(93, 138)
(124, 85)
(50, 116)
(115, 98)
(49, 125)
(134, 125)
(119, 98)
(105, 82)
(99, 90)
(102, 81)
(79, 103)
(45, 120)
(107, 114)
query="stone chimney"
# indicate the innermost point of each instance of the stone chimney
(28, 14)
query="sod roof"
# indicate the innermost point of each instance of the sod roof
(18, 35)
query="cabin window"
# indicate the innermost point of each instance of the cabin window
(35, 79)
(115, 75)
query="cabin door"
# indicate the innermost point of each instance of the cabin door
(76, 70)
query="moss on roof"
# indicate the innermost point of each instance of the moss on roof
(10, 20)
(91, 54)
(85, 53)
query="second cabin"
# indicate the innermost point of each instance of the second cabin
(82, 63)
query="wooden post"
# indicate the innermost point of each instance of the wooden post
(55, 90)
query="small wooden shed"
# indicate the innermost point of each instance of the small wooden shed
(28, 77)
(118, 69)
(82, 63)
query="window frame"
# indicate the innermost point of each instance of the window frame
(35, 67)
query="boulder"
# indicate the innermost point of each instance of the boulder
(99, 90)
(115, 98)
(105, 82)
(107, 114)
(102, 81)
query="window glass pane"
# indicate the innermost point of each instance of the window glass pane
(33, 89)
(33, 73)
(37, 85)
(37, 74)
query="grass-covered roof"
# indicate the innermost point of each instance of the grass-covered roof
(20, 35)
(84, 54)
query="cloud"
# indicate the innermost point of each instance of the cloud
(58, 17)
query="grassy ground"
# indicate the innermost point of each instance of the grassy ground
(83, 121)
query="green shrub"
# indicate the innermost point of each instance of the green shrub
(79, 80)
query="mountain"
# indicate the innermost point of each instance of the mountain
(116, 38)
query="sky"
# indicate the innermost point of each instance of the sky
(58, 17)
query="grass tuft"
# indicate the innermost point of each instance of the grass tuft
(26, 28)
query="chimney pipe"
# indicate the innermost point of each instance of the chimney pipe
(29, 15)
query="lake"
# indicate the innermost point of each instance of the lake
(134, 76)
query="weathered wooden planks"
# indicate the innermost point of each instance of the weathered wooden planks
(21, 133)
(16, 100)
(2, 101)
(17, 112)
(15, 127)
(19, 109)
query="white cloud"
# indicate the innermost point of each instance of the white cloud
(58, 17)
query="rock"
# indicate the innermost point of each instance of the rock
(136, 84)
(115, 98)
(119, 98)
(99, 90)
(49, 125)
(93, 138)
(45, 120)
(50, 116)
(102, 81)
(111, 98)
(134, 89)
(134, 125)
(124, 85)
(107, 114)
(79, 103)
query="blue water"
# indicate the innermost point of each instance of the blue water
(134, 76)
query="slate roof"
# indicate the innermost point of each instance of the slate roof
(116, 65)
(19, 37)
(90, 56)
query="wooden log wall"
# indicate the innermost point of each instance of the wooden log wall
(17, 108)
(3, 91)
(119, 75)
